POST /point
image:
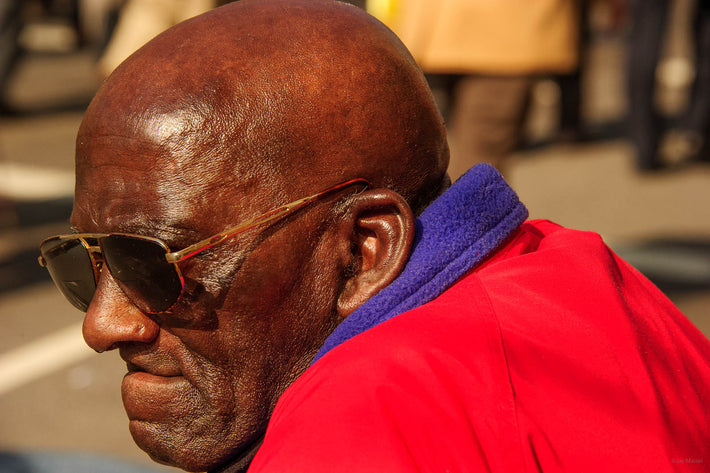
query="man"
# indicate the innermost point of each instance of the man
(281, 149)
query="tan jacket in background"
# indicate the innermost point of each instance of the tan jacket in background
(485, 36)
(141, 20)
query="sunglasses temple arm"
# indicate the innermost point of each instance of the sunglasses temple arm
(220, 237)
(200, 246)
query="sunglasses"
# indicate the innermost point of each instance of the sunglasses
(143, 267)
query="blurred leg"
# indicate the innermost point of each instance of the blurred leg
(571, 124)
(10, 25)
(697, 120)
(645, 128)
(486, 120)
(442, 87)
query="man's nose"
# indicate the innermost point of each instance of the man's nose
(112, 319)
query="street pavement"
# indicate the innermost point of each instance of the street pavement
(55, 394)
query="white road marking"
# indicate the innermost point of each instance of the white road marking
(42, 357)
(23, 182)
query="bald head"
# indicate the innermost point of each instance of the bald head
(281, 88)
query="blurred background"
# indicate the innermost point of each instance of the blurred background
(611, 138)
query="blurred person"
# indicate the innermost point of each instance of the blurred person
(485, 56)
(141, 20)
(646, 125)
(609, 16)
(98, 19)
(267, 235)
(10, 26)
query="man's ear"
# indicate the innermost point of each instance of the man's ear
(380, 227)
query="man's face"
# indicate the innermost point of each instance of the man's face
(203, 377)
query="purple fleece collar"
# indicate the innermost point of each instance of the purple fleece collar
(455, 233)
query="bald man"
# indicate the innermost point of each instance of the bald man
(265, 232)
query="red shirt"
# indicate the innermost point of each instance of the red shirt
(553, 355)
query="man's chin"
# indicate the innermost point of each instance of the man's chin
(193, 453)
(169, 448)
(158, 409)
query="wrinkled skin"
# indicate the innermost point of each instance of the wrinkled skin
(222, 118)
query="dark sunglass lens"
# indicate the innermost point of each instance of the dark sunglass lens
(71, 268)
(141, 270)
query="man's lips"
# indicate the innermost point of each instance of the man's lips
(157, 370)
(150, 379)
(137, 381)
